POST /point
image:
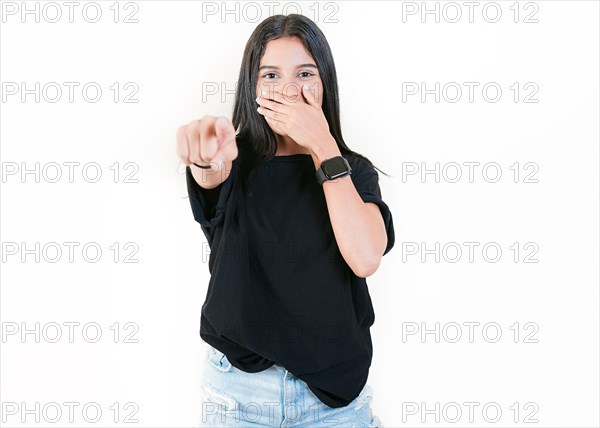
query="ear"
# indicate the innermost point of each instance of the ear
(310, 96)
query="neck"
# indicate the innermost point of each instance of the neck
(287, 146)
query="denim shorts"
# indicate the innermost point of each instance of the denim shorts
(272, 398)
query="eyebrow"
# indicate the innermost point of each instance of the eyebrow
(277, 68)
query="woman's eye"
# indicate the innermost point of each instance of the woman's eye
(303, 74)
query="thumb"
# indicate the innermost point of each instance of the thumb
(310, 95)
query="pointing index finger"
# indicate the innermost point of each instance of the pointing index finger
(225, 132)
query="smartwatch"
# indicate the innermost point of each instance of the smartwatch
(333, 168)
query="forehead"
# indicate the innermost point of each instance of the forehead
(285, 51)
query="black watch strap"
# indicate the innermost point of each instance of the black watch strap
(321, 177)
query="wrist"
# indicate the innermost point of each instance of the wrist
(324, 150)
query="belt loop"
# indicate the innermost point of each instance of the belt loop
(284, 397)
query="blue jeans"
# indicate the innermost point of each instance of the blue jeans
(272, 398)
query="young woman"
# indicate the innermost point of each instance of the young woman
(295, 222)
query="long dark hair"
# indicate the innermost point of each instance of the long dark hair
(256, 140)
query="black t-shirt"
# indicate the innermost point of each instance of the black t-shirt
(280, 291)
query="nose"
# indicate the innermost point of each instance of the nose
(290, 88)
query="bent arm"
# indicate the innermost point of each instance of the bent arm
(358, 226)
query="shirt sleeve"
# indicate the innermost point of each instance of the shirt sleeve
(208, 205)
(366, 181)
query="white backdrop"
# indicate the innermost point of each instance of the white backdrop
(485, 114)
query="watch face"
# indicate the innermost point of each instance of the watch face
(335, 167)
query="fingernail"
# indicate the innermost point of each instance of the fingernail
(257, 99)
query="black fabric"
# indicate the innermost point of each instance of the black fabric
(280, 291)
